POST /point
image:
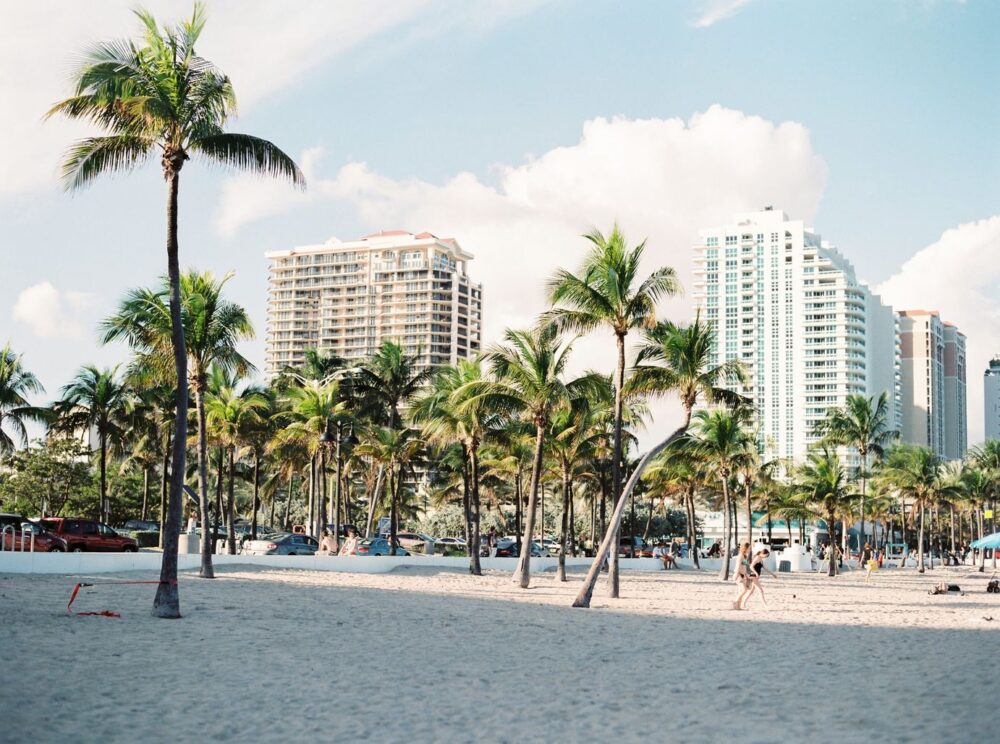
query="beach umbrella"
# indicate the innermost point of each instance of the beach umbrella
(990, 541)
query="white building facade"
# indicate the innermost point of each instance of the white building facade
(789, 306)
(991, 388)
(346, 298)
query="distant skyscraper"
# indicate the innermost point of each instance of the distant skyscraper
(346, 298)
(991, 388)
(934, 384)
(788, 305)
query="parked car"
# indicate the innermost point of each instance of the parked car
(45, 541)
(89, 535)
(378, 546)
(630, 547)
(454, 542)
(141, 525)
(507, 548)
(413, 539)
(553, 546)
(281, 543)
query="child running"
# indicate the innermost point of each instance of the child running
(742, 575)
(757, 568)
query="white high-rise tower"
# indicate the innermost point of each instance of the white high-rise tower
(991, 388)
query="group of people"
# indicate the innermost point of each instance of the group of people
(749, 570)
(328, 544)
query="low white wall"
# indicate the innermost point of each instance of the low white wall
(96, 563)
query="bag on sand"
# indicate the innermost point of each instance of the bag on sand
(945, 588)
(993, 587)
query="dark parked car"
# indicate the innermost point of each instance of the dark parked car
(20, 537)
(89, 535)
(631, 547)
(141, 525)
(507, 548)
(282, 543)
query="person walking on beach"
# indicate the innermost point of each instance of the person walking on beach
(350, 544)
(757, 568)
(868, 561)
(742, 575)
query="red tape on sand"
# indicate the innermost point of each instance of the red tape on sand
(103, 613)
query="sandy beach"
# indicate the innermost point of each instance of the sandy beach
(426, 655)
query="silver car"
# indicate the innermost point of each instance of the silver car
(378, 546)
(282, 543)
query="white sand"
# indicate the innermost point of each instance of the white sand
(424, 656)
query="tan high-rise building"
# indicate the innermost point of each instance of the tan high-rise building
(346, 298)
(933, 382)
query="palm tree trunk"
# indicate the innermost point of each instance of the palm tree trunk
(832, 552)
(371, 501)
(256, 494)
(572, 519)
(145, 491)
(561, 569)
(166, 604)
(518, 510)
(616, 465)
(220, 481)
(321, 520)
(747, 490)
(164, 481)
(337, 494)
(727, 546)
(693, 531)
(587, 590)
(467, 503)
(522, 576)
(207, 570)
(474, 568)
(230, 504)
(393, 488)
(105, 507)
(288, 501)
(311, 517)
(920, 541)
(649, 518)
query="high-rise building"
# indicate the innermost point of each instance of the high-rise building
(933, 376)
(788, 305)
(346, 298)
(991, 390)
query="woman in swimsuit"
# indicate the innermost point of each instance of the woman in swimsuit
(742, 575)
(757, 568)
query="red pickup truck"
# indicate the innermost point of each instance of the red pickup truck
(89, 535)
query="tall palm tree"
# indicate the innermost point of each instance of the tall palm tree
(231, 416)
(96, 399)
(916, 473)
(607, 292)
(213, 327)
(864, 424)
(388, 380)
(528, 370)
(822, 482)
(16, 384)
(396, 449)
(986, 458)
(672, 360)
(160, 97)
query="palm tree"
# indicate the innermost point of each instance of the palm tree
(213, 327)
(671, 360)
(16, 384)
(387, 380)
(607, 293)
(986, 458)
(916, 472)
(821, 481)
(160, 97)
(96, 399)
(863, 423)
(231, 416)
(395, 449)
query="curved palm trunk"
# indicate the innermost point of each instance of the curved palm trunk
(522, 576)
(727, 544)
(230, 505)
(474, 567)
(166, 604)
(616, 467)
(164, 482)
(920, 540)
(561, 570)
(587, 591)
(207, 570)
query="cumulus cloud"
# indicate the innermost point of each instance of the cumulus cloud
(40, 38)
(51, 313)
(662, 179)
(714, 11)
(959, 275)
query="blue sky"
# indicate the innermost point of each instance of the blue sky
(876, 121)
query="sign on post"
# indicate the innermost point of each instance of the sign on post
(384, 526)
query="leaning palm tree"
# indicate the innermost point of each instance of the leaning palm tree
(16, 384)
(96, 399)
(672, 360)
(822, 483)
(160, 97)
(607, 292)
(864, 424)
(213, 327)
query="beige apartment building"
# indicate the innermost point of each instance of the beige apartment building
(933, 383)
(346, 298)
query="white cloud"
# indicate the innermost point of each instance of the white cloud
(660, 178)
(714, 11)
(50, 313)
(959, 276)
(264, 46)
